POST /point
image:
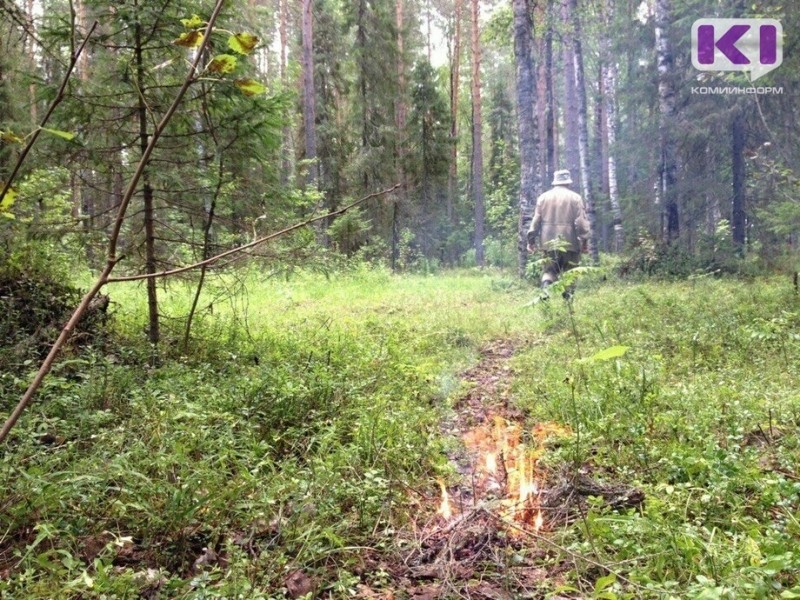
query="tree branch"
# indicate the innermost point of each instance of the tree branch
(112, 259)
(254, 243)
(59, 97)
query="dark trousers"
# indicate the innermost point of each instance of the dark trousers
(558, 262)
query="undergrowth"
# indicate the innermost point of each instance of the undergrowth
(301, 429)
(685, 390)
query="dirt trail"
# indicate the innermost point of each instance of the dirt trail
(475, 552)
(489, 539)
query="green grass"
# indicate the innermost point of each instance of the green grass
(303, 424)
(701, 412)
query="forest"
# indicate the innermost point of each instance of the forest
(271, 321)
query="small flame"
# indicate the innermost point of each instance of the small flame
(538, 521)
(508, 465)
(528, 489)
(444, 508)
(491, 463)
(524, 481)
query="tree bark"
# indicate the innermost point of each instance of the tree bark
(598, 161)
(477, 137)
(549, 101)
(400, 126)
(361, 43)
(571, 155)
(526, 108)
(612, 117)
(738, 220)
(309, 96)
(287, 141)
(583, 128)
(455, 66)
(153, 328)
(668, 168)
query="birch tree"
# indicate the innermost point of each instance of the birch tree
(583, 126)
(611, 115)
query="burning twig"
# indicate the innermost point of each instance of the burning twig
(444, 507)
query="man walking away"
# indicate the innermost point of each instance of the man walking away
(561, 221)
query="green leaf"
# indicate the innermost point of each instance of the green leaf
(243, 43)
(250, 87)
(62, 134)
(7, 202)
(10, 137)
(224, 63)
(604, 582)
(192, 23)
(190, 39)
(610, 353)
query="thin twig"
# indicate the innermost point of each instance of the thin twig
(59, 97)
(572, 554)
(254, 243)
(112, 258)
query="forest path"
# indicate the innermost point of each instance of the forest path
(478, 545)
(491, 537)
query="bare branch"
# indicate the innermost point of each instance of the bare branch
(254, 243)
(59, 97)
(112, 259)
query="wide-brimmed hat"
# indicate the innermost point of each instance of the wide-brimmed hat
(562, 177)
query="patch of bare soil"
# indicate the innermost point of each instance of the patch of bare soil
(490, 536)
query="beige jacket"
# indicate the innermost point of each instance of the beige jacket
(559, 214)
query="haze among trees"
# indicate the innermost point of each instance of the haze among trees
(254, 251)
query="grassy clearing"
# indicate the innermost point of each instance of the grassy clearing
(701, 412)
(300, 427)
(289, 437)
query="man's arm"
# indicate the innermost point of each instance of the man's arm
(582, 227)
(536, 226)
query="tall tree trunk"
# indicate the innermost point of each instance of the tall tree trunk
(400, 126)
(611, 133)
(287, 141)
(477, 136)
(30, 51)
(668, 168)
(571, 154)
(738, 138)
(583, 128)
(538, 49)
(153, 332)
(712, 204)
(549, 101)
(309, 95)
(455, 66)
(612, 116)
(361, 43)
(596, 165)
(526, 108)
